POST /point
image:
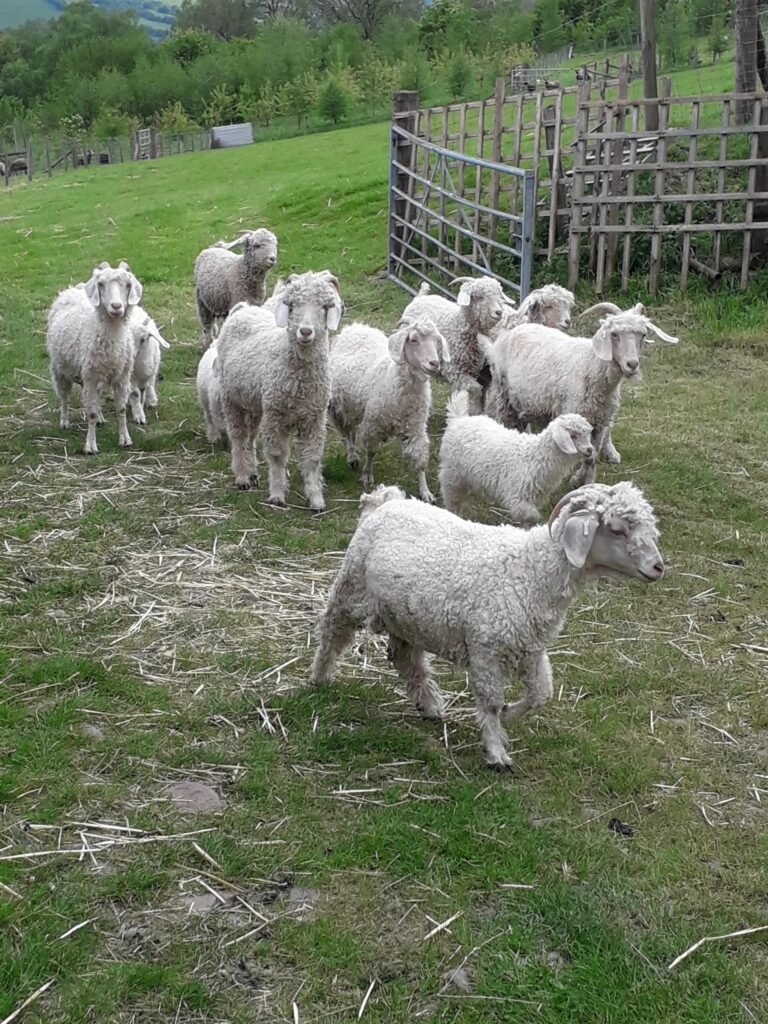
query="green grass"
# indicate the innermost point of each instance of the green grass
(156, 629)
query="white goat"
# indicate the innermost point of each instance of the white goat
(380, 389)
(147, 342)
(517, 471)
(209, 395)
(478, 308)
(222, 278)
(540, 372)
(491, 598)
(88, 340)
(274, 377)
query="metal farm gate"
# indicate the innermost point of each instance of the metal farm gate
(437, 232)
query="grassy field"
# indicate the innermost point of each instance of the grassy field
(156, 632)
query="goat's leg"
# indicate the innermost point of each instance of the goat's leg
(276, 450)
(137, 408)
(309, 456)
(416, 451)
(413, 667)
(486, 676)
(121, 389)
(92, 410)
(63, 387)
(207, 319)
(536, 676)
(335, 630)
(241, 428)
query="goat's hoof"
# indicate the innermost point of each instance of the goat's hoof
(354, 463)
(317, 509)
(500, 767)
(126, 443)
(253, 479)
(138, 422)
(276, 501)
(611, 455)
(428, 498)
(242, 485)
(91, 451)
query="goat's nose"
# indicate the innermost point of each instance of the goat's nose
(116, 307)
(658, 567)
(632, 364)
(433, 364)
(567, 323)
(271, 261)
(497, 314)
(588, 450)
(306, 332)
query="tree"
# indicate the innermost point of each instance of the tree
(717, 40)
(377, 81)
(188, 46)
(174, 118)
(219, 107)
(226, 19)
(367, 15)
(300, 96)
(267, 105)
(333, 102)
(674, 34)
(460, 73)
(548, 30)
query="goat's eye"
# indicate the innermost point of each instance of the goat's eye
(618, 531)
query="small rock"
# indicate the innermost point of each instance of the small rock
(91, 732)
(202, 903)
(459, 978)
(304, 902)
(195, 797)
(621, 827)
(555, 960)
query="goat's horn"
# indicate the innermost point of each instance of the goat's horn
(509, 299)
(669, 338)
(237, 241)
(601, 307)
(460, 280)
(559, 508)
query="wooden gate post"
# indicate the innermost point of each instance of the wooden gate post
(404, 106)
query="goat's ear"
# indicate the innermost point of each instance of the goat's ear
(92, 290)
(281, 315)
(445, 352)
(123, 265)
(601, 344)
(397, 341)
(135, 291)
(465, 295)
(563, 439)
(577, 537)
(333, 319)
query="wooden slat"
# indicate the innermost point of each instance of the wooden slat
(690, 185)
(750, 209)
(626, 255)
(673, 229)
(658, 206)
(574, 242)
(617, 153)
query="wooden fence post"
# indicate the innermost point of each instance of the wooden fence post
(47, 157)
(498, 129)
(404, 106)
(552, 116)
(660, 178)
(617, 153)
(577, 190)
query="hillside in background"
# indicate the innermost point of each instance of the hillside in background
(155, 15)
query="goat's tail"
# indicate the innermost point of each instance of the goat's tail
(458, 405)
(375, 499)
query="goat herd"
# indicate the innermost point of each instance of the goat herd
(531, 406)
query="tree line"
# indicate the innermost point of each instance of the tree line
(97, 70)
